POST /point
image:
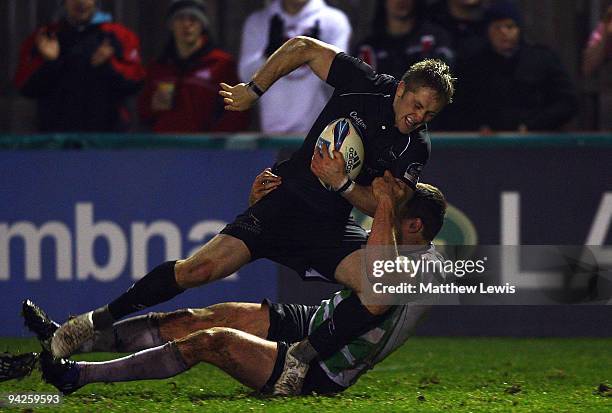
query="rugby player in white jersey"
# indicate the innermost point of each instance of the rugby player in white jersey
(250, 341)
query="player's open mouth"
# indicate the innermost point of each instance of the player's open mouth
(409, 122)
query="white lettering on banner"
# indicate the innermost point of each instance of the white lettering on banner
(511, 258)
(32, 239)
(601, 228)
(88, 232)
(601, 223)
(510, 235)
(141, 234)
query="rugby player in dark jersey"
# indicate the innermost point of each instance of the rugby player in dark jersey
(250, 341)
(301, 224)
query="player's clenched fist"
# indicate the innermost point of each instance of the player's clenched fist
(237, 98)
(264, 183)
(388, 187)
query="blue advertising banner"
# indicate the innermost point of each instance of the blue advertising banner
(78, 228)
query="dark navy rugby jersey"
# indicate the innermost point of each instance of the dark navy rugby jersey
(366, 98)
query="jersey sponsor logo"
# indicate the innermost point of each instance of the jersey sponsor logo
(358, 120)
(413, 172)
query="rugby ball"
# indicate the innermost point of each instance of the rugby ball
(341, 135)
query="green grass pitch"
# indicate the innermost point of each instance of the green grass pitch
(425, 375)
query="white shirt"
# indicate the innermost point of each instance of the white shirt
(293, 103)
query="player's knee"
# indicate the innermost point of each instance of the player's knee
(191, 273)
(182, 316)
(213, 339)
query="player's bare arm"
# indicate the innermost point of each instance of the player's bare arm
(298, 51)
(386, 191)
(385, 226)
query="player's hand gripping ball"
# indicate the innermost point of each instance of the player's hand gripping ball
(341, 136)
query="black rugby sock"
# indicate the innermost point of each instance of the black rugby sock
(349, 320)
(156, 287)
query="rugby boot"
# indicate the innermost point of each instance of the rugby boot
(38, 322)
(16, 366)
(292, 378)
(61, 373)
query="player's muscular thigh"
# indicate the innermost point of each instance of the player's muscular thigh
(218, 258)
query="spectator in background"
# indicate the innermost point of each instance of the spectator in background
(301, 94)
(599, 47)
(463, 20)
(513, 85)
(181, 89)
(401, 37)
(80, 70)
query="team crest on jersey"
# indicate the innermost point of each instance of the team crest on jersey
(413, 172)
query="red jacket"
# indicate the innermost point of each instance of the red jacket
(197, 106)
(72, 95)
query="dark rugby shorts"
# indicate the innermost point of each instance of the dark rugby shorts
(279, 227)
(289, 324)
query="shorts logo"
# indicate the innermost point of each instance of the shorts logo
(413, 172)
(358, 120)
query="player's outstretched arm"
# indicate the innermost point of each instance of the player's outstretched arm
(298, 51)
(351, 317)
(385, 225)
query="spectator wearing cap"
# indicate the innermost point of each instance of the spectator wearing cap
(401, 36)
(513, 85)
(599, 47)
(181, 88)
(80, 70)
(301, 94)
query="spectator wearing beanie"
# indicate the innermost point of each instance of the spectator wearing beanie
(80, 70)
(513, 85)
(181, 88)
